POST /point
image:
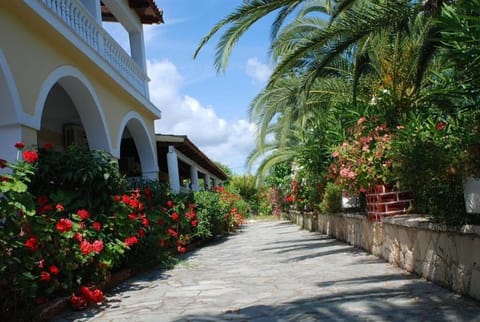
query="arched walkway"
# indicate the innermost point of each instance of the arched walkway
(137, 143)
(67, 93)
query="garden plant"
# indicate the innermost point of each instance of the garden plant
(69, 220)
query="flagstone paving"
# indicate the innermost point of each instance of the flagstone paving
(273, 271)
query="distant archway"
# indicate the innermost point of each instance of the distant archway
(137, 150)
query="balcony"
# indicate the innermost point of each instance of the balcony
(73, 20)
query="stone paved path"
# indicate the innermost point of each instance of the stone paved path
(272, 271)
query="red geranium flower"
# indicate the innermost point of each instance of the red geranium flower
(97, 226)
(130, 241)
(440, 126)
(194, 223)
(97, 246)
(42, 200)
(48, 146)
(59, 207)
(32, 243)
(83, 214)
(126, 199)
(141, 232)
(182, 249)
(97, 296)
(54, 270)
(3, 163)
(64, 225)
(163, 243)
(30, 156)
(169, 204)
(172, 232)
(78, 237)
(78, 302)
(85, 247)
(132, 216)
(45, 276)
(145, 221)
(117, 198)
(86, 292)
(148, 193)
(20, 145)
(175, 216)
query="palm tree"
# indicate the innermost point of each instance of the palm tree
(248, 13)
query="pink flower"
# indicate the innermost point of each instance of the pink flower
(41, 263)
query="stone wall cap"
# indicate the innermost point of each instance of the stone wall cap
(423, 222)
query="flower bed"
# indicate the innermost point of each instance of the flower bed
(68, 221)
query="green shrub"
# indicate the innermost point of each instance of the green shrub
(332, 199)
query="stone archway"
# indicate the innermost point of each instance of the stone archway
(68, 103)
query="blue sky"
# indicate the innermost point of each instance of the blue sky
(210, 108)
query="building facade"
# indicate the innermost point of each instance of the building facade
(64, 79)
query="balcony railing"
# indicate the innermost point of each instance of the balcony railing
(78, 19)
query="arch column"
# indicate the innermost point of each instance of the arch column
(208, 181)
(173, 173)
(194, 177)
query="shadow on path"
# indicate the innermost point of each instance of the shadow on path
(372, 304)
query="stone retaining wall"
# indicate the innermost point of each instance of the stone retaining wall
(445, 256)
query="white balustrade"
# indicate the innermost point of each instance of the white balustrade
(77, 17)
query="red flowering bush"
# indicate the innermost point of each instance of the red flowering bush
(67, 220)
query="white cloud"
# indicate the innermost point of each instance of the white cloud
(223, 141)
(258, 71)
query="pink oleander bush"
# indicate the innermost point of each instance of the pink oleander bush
(69, 219)
(364, 159)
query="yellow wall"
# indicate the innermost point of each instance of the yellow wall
(33, 50)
